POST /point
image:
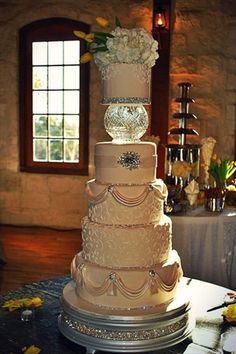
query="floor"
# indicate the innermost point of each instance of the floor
(34, 254)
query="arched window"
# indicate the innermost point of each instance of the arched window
(54, 98)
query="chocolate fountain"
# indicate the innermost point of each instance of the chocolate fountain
(182, 159)
(187, 154)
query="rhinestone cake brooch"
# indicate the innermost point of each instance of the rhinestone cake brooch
(129, 160)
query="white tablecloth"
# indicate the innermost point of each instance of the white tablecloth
(206, 243)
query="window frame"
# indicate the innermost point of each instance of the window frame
(48, 30)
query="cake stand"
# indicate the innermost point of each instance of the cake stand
(125, 331)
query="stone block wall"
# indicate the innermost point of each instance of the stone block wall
(202, 52)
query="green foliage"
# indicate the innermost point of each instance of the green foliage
(221, 171)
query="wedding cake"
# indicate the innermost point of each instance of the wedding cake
(125, 294)
(127, 260)
(116, 87)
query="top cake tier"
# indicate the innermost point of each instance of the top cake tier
(125, 163)
(126, 84)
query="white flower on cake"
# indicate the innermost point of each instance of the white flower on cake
(128, 46)
(120, 46)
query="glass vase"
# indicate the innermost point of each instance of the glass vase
(215, 199)
(126, 124)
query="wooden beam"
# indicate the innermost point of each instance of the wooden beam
(160, 84)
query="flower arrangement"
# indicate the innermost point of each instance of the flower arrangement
(119, 46)
(221, 171)
(232, 186)
(181, 169)
(230, 313)
(15, 304)
(31, 350)
(208, 145)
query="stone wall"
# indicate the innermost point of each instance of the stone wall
(38, 199)
(202, 52)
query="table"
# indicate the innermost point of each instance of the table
(206, 243)
(210, 330)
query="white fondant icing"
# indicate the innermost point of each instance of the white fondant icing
(127, 259)
(125, 81)
(126, 245)
(108, 170)
(129, 205)
(132, 287)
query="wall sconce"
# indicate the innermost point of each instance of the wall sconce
(161, 21)
(161, 15)
(159, 18)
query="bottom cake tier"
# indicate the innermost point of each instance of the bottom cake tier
(126, 331)
(124, 288)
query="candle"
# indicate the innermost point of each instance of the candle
(27, 315)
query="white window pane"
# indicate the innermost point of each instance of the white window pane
(39, 53)
(55, 104)
(55, 77)
(71, 77)
(71, 102)
(39, 102)
(55, 53)
(71, 150)
(71, 126)
(39, 78)
(40, 152)
(72, 52)
(56, 150)
(40, 126)
(55, 126)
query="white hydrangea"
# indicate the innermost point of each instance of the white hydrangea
(128, 46)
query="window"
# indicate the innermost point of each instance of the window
(54, 96)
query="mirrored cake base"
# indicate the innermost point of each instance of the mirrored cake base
(125, 331)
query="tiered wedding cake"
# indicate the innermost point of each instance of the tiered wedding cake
(125, 279)
(127, 260)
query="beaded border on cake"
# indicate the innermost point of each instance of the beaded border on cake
(128, 100)
(120, 198)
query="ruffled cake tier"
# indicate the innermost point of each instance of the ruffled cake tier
(127, 205)
(127, 288)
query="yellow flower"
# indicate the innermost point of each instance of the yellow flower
(181, 169)
(230, 313)
(36, 301)
(231, 188)
(85, 58)
(101, 21)
(214, 157)
(15, 304)
(89, 37)
(80, 34)
(31, 350)
(221, 170)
